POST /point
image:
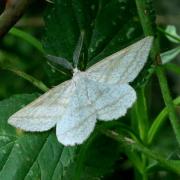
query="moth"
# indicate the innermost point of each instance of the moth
(102, 92)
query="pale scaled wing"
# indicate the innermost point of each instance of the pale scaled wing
(110, 101)
(123, 66)
(79, 119)
(43, 113)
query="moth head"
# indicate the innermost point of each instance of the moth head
(75, 71)
(77, 74)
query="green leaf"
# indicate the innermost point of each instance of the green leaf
(122, 38)
(104, 158)
(110, 20)
(108, 27)
(159, 121)
(175, 68)
(62, 29)
(171, 30)
(29, 155)
(95, 159)
(169, 55)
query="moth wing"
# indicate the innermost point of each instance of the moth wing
(79, 119)
(43, 113)
(111, 101)
(123, 66)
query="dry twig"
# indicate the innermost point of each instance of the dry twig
(14, 9)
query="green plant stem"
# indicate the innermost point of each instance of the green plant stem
(144, 16)
(142, 113)
(28, 38)
(40, 85)
(136, 160)
(159, 121)
(148, 30)
(142, 122)
(141, 8)
(169, 103)
(172, 165)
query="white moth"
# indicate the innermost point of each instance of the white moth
(101, 92)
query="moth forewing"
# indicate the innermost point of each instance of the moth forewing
(123, 66)
(44, 112)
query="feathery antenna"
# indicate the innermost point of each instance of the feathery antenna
(78, 49)
(61, 61)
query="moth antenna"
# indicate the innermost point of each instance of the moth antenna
(61, 61)
(49, 1)
(78, 49)
(60, 71)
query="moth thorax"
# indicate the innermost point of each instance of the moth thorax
(76, 71)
